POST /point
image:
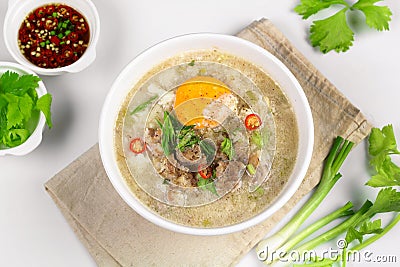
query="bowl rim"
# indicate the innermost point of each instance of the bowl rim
(35, 138)
(83, 62)
(108, 155)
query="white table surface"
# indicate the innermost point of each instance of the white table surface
(32, 230)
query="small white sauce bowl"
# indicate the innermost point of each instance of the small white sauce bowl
(36, 137)
(19, 9)
(225, 43)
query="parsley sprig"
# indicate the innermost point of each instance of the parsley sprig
(334, 32)
(19, 102)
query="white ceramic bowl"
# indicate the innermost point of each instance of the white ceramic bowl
(36, 137)
(19, 9)
(232, 45)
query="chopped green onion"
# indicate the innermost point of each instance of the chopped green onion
(257, 139)
(42, 44)
(60, 35)
(226, 147)
(143, 105)
(54, 14)
(251, 169)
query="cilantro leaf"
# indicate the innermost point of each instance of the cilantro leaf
(25, 106)
(14, 115)
(310, 7)
(227, 148)
(376, 17)
(11, 82)
(16, 137)
(3, 118)
(43, 104)
(18, 101)
(207, 184)
(332, 33)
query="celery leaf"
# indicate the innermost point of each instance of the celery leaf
(387, 200)
(11, 82)
(43, 104)
(388, 174)
(382, 141)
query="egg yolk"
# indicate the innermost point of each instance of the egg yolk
(193, 96)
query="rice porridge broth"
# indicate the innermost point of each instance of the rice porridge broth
(233, 199)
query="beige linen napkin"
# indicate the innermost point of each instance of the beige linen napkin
(117, 236)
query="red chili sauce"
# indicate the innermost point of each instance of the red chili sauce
(53, 36)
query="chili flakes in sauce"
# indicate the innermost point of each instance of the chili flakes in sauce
(53, 36)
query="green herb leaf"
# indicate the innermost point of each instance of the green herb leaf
(251, 169)
(143, 105)
(387, 200)
(306, 8)
(187, 137)
(168, 137)
(352, 234)
(208, 149)
(16, 137)
(43, 104)
(376, 17)
(18, 98)
(25, 106)
(366, 228)
(382, 144)
(257, 139)
(374, 227)
(382, 141)
(191, 63)
(388, 174)
(227, 148)
(207, 184)
(3, 119)
(13, 83)
(332, 33)
(14, 116)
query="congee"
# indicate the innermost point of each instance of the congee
(206, 139)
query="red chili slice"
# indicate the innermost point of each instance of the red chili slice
(54, 39)
(137, 146)
(40, 12)
(73, 36)
(252, 121)
(49, 9)
(205, 173)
